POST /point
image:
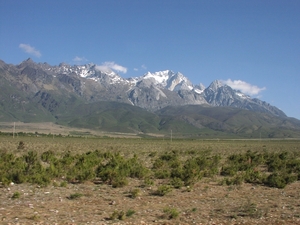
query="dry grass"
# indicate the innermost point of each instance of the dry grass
(52, 128)
(207, 202)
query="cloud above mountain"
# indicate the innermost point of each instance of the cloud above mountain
(143, 67)
(108, 66)
(78, 59)
(30, 50)
(244, 87)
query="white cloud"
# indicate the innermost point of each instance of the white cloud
(30, 50)
(79, 59)
(143, 67)
(244, 86)
(108, 66)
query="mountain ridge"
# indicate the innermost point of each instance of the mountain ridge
(151, 91)
(73, 96)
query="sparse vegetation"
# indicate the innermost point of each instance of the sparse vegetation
(180, 167)
(127, 169)
(16, 195)
(120, 215)
(75, 196)
(130, 212)
(170, 213)
(135, 193)
(272, 169)
(162, 190)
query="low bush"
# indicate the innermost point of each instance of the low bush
(120, 215)
(170, 213)
(16, 195)
(177, 182)
(135, 193)
(130, 212)
(75, 196)
(162, 190)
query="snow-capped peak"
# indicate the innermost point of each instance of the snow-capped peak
(160, 77)
(216, 84)
(169, 80)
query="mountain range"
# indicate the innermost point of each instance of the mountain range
(94, 97)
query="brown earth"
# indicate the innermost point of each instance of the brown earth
(205, 203)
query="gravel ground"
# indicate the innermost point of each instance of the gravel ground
(205, 203)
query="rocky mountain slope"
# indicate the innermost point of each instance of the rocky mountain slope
(87, 96)
(152, 91)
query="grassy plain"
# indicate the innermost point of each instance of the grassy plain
(161, 195)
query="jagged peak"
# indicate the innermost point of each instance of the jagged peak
(63, 64)
(201, 86)
(28, 61)
(217, 94)
(160, 77)
(216, 84)
(159, 73)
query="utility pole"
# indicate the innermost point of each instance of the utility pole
(14, 129)
(260, 132)
(171, 135)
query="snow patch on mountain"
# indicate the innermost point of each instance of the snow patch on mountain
(160, 77)
(198, 91)
(241, 95)
(151, 91)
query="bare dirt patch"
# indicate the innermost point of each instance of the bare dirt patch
(205, 203)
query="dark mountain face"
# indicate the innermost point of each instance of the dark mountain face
(222, 95)
(40, 92)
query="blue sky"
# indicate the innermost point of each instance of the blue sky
(252, 45)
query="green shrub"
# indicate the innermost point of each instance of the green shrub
(229, 170)
(119, 182)
(191, 172)
(162, 190)
(170, 213)
(276, 164)
(16, 195)
(135, 193)
(177, 182)
(162, 174)
(275, 180)
(18, 177)
(21, 145)
(63, 184)
(75, 196)
(4, 181)
(48, 156)
(130, 212)
(249, 209)
(114, 215)
(290, 178)
(40, 179)
(117, 169)
(252, 176)
(120, 215)
(147, 182)
(238, 179)
(152, 154)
